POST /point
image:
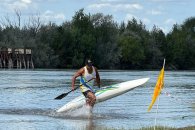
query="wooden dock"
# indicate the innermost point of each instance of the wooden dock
(18, 58)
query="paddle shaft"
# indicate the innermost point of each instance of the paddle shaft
(65, 94)
(80, 85)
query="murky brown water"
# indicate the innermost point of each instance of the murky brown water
(26, 101)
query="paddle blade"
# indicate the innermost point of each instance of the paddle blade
(61, 96)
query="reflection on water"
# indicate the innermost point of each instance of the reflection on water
(26, 101)
(193, 106)
(78, 119)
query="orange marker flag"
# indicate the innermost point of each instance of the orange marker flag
(158, 87)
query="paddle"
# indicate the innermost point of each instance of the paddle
(65, 94)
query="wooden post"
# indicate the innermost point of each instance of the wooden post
(29, 59)
(4, 52)
(32, 64)
(0, 63)
(10, 62)
(4, 64)
(0, 59)
(24, 62)
(16, 58)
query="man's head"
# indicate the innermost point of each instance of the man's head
(89, 63)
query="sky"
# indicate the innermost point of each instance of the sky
(162, 13)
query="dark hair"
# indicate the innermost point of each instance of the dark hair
(89, 62)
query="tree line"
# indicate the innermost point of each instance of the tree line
(109, 44)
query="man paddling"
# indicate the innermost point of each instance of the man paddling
(88, 75)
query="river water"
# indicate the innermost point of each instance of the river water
(27, 101)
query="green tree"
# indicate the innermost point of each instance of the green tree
(83, 39)
(107, 53)
(181, 45)
(44, 53)
(132, 52)
(132, 43)
(156, 48)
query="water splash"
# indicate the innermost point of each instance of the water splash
(84, 112)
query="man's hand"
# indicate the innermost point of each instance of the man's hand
(72, 88)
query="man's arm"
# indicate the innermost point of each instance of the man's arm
(77, 74)
(97, 77)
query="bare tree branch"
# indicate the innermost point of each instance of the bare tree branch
(18, 14)
(34, 23)
(8, 21)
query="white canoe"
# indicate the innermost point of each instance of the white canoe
(104, 94)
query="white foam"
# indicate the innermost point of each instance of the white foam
(84, 112)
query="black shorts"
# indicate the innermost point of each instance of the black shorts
(86, 92)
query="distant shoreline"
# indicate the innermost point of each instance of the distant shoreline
(61, 69)
(169, 128)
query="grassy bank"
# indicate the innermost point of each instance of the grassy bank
(144, 128)
(169, 128)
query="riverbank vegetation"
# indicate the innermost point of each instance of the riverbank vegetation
(148, 128)
(152, 128)
(169, 128)
(109, 44)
